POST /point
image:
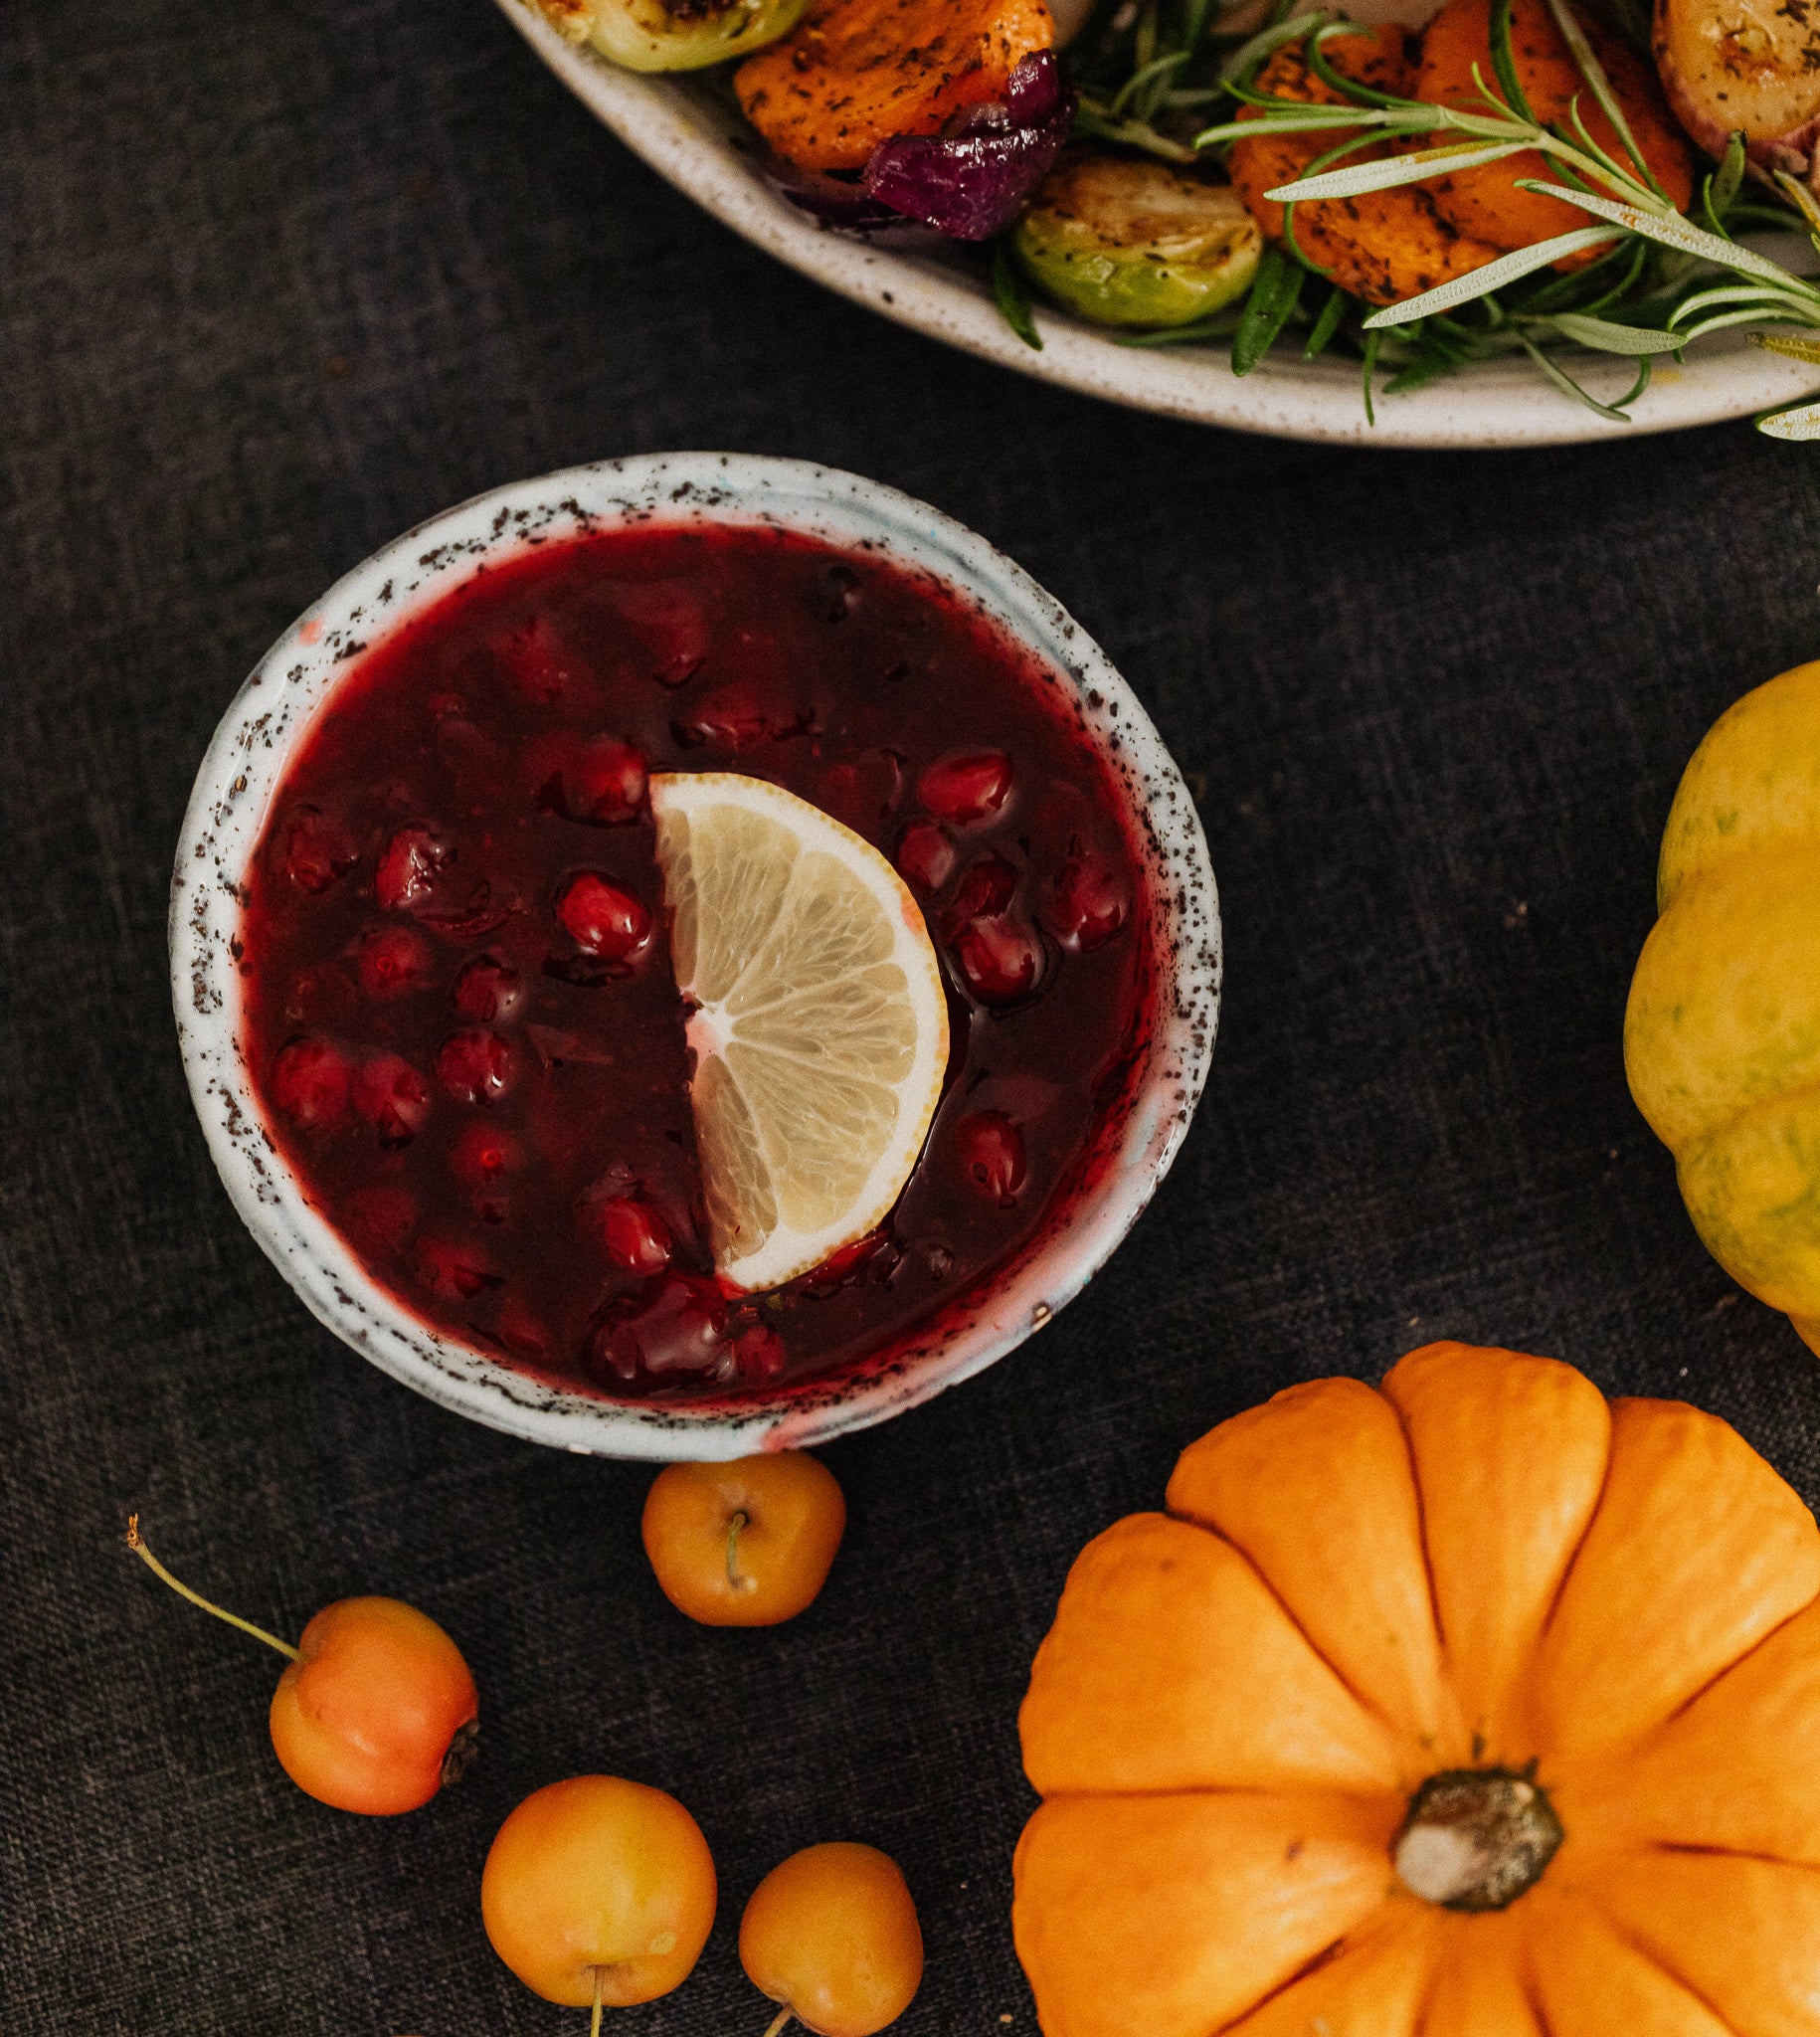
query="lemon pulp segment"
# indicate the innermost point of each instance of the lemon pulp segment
(819, 1027)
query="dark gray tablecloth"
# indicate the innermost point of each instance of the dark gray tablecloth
(282, 280)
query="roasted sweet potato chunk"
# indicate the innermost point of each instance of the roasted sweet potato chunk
(854, 73)
(1745, 67)
(1385, 245)
(1485, 202)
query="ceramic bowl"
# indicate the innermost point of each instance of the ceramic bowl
(234, 791)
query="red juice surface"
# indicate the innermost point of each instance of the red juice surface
(482, 1082)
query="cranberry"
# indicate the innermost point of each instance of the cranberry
(602, 919)
(680, 1328)
(393, 1097)
(483, 1154)
(864, 792)
(985, 890)
(638, 1239)
(737, 717)
(1086, 903)
(1000, 960)
(973, 786)
(455, 1271)
(392, 962)
(600, 783)
(408, 865)
(925, 856)
(672, 625)
(992, 1155)
(380, 1220)
(520, 1331)
(759, 1355)
(309, 1083)
(314, 850)
(487, 989)
(535, 659)
(483, 913)
(475, 1066)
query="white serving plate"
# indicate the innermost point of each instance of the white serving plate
(696, 145)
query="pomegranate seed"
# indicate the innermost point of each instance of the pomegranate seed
(408, 865)
(1000, 960)
(637, 1238)
(972, 787)
(487, 989)
(732, 716)
(309, 1083)
(393, 1097)
(475, 1066)
(380, 1220)
(600, 783)
(520, 1331)
(392, 962)
(925, 856)
(985, 890)
(602, 919)
(671, 625)
(992, 1154)
(315, 851)
(535, 659)
(758, 1354)
(680, 1328)
(457, 1272)
(1086, 904)
(482, 1155)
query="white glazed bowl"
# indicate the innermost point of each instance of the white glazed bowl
(259, 734)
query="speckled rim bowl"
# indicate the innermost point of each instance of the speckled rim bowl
(233, 795)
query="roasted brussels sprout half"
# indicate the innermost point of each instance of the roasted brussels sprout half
(648, 35)
(1131, 243)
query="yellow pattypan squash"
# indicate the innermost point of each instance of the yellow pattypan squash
(1721, 1037)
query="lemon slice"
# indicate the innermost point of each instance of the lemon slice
(819, 1029)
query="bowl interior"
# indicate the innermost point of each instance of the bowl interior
(246, 761)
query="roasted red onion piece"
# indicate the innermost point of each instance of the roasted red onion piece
(831, 198)
(973, 181)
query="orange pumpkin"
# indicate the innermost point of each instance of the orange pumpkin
(1474, 1706)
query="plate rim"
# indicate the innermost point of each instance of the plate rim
(1489, 408)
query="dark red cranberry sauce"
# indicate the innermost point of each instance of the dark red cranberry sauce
(459, 1012)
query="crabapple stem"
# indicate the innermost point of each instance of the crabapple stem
(599, 1983)
(735, 1577)
(138, 1547)
(783, 2016)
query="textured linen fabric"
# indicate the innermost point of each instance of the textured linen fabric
(282, 281)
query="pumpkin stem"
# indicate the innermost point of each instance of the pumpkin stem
(1476, 1838)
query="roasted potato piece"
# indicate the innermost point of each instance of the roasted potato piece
(1382, 247)
(1745, 67)
(648, 35)
(1485, 202)
(1128, 242)
(855, 73)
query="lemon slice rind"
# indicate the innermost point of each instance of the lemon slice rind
(819, 1027)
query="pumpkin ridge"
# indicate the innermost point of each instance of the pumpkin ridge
(1325, 1957)
(1706, 1849)
(1574, 1562)
(1749, 1111)
(1718, 1674)
(1364, 1704)
(1652, 1958)
(1421, 1530)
